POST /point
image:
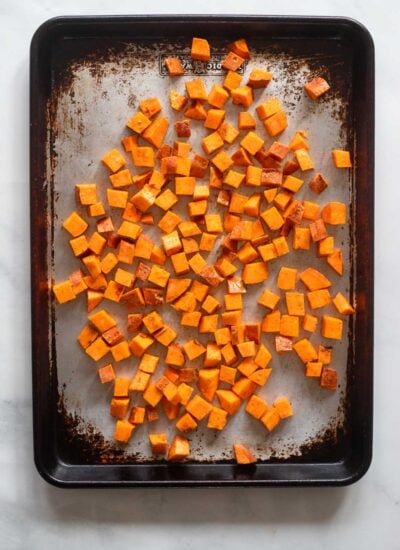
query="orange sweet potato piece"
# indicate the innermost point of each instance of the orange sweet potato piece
(174, 66)
(179, 449)
(200, 49)
(123, 431)
(217, 419)
(316, 88)
(229, 401)
(158, 443)
(329, 379)
(243, 455)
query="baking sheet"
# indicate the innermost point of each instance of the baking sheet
(88, 119)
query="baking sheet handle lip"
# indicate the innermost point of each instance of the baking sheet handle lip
(50, 25)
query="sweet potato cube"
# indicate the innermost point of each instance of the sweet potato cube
(261, 376)
(268, 108)
(341, 158)
(267, 252)
(222, 161)
(252, 143)
(121, 387)
(310, 323)
(134, 322)
(214, 119)
(208, 382)
(287, 278)
(126, 253)
(137, 415)
(304, 160)
(87, 335)
(119, 407)
(335, 260)
(140, 381)
(114, 160)
(174, 66)
(102, 320)
(212, 142)
(243, 455)
(227, 374)
(259, 78)
(158, 443)
(281, 246)
(332, 327)
(195, 89)
(342, 304)
(186, 423)
(79, 245)
(75, 225)
(256, 406)
(64, 292)
(179, 449)
(318, 184)
(193, 349)
(152, 395)
(263, 356)
(276, 123)
(271, 419)
(229, 401)
(314, 279)
(244, 387)
(200, 49)
(311, 210)
(217, 419)
(295, 303)
(292, 184)
(218, 96)
(316, 88)
(94, 297)
(143, 156)
(329, 379)
(123, 431)
(313, 369)
(140, 343)
(120, 351)
(232, 80)
(289, 326)
(272, 218)
(106, 373)
(305, 350)
(153, 322)
(139, 122)
(247, 349)
(134, 298)
(150, 106)
(148, 363)
(198, 407)
(301, 238)
(240, 47)
(243, 95)
(86, 193)
(232, 62)
(155, 133)
(272, 322)
(334, 213)
(129, 230)
(283, 406)
(255, 273)
(318, 298)
(196, 111)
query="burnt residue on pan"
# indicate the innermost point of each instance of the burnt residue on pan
(77, 440)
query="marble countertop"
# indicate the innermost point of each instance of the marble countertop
(35, 515)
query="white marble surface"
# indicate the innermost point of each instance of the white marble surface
(34, 515)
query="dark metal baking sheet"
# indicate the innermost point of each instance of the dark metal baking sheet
(68, 452)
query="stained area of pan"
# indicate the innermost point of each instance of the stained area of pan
(88, 75)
